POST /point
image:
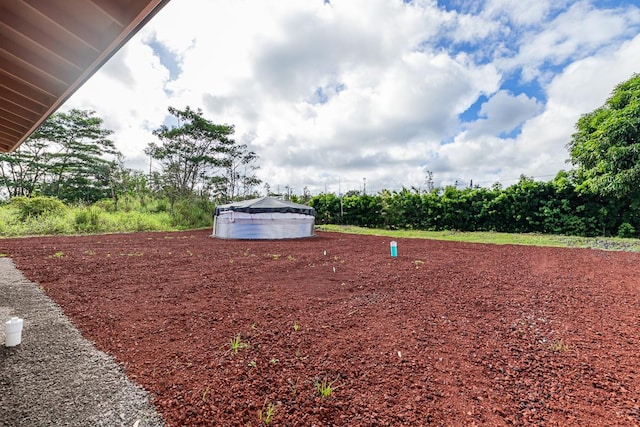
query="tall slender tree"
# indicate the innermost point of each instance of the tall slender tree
(198, 156)
(22, 171)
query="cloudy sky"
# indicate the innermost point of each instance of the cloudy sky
(342, 93)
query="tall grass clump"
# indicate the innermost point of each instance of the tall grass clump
(137, 221)
(192, 213)
(49, 224)
(90, 219)
(37, 216)
(15, 221)
(94, 219)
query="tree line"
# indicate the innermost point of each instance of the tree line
(71, 158)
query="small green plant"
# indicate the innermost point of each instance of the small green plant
(294, 386)
(325, 388)
(301, 357)
(59, 254)
(274, 361)
(253, 364)
(275, 257)
(266, 413)
(237, 344)
(559, 346)
(296, 326)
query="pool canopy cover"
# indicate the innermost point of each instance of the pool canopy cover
(263, 218)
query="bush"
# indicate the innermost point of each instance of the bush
(34, 207)
(626, 230)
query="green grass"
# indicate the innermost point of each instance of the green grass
(83, 220)
(325, 388)
(608, 243)
(266, 413)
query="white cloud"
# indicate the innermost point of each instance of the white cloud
(503, 113)
(540, 150)
(328, 93)
(579, 32)
(522, 12)
(127, 93)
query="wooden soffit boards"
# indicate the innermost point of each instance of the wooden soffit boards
(49, 48)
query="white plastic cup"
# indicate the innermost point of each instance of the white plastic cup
(394, 248)
(13, 331)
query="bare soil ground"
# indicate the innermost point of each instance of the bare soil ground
(444, 334)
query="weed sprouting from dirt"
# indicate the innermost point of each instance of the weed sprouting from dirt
(266, 413)
(325, 388)
(296, 326)
(237, 344)
(558, 346)
(301, 357)
(293, 386)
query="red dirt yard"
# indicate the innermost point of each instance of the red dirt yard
(444, 334)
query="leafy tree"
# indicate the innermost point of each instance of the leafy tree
(327, 206)
(198, 156)
(238, 178)
(79, 167)
(606, 146)
(23, 170)
(66, 157)
(127, 184)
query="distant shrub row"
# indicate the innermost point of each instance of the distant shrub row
(553, 207)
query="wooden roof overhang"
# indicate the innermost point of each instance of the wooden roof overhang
(49, 48)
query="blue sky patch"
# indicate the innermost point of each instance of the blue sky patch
(170, 61)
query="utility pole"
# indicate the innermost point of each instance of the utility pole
(340, 196)
(429, 181)
(364, 186)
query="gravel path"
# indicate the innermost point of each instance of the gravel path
(56, 377)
